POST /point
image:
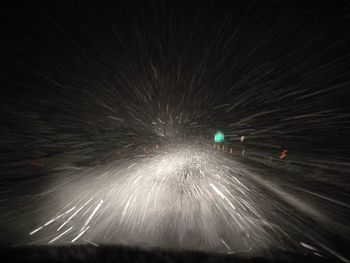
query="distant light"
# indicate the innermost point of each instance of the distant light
(219, 137)
(283, 154)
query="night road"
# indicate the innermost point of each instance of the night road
(182, 126)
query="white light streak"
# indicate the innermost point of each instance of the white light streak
(80, 234)
(62, 234)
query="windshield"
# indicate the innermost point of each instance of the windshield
(189, 126)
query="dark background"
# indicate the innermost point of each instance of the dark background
(53, 50)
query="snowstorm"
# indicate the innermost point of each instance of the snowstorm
(201, 126)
